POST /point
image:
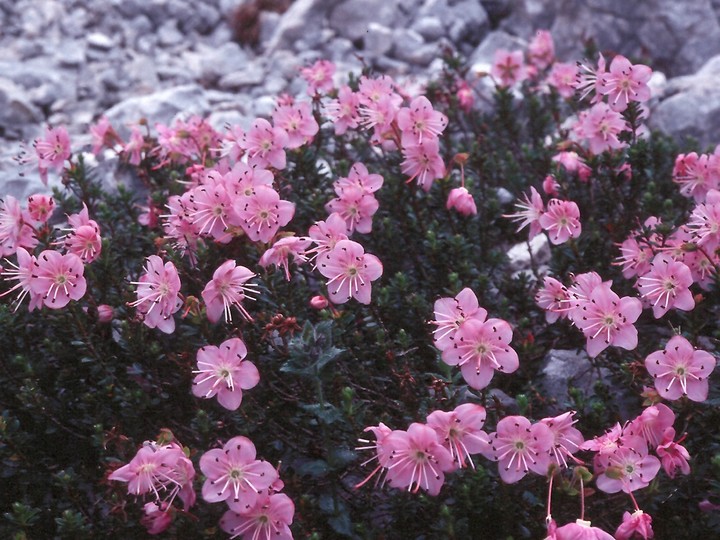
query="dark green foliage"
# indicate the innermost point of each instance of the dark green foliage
(79, 396)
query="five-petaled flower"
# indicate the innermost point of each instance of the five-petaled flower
(223, 372)
(350, 271)
(234, 475)
(681, 370)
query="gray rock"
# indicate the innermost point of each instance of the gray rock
(409, 46)
(469, 22)
(378, 40)
(351, 18)
(201, 17)
(18, 116)
(162, 106)
(169, 35)
(251, 75)
(70, 53)
(691, 106)
(430, 28)
(216, 62)
(519, 256)
(495, 40)
(295, 22)
(269, 22)
(561, 369)
(100, 41)
(680, 36)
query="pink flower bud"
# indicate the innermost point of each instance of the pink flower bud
(318, 302)
(461, 200)
(550, 186)
(105, 313)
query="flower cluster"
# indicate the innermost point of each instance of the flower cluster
(164, 472)
(251, 488)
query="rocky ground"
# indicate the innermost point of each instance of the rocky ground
(69, 61)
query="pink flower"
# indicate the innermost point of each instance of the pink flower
(591, 79)
(156, 469)
(350, 271)
(223, 372)
(451, 313)
(635, 257)
(15, 232)
(581, 530)
(298, 122)
(422, 162)
(319, 77)
(561, 220)
(416, 460)
(40, 207)
(680, 370)
(263, 213)
(628, 468)
(356, 206)
(360, 177)
(541, 49)
(573, 163)
(567, 439)
(83, 238)
(606, 319)
(480, 348)
(520, 447)
(265, 144)
(563, 77)
(666, 286)
(281, 251)
(550, 185)
(673, 456)
(102, 134)
(52, 150)
(625, 82)
(210, 209)
(704, 222)
(696, 175)
(420, 121)
(461, 200)
(158, 294)
(343, 111)
(637, 523)
(269, 519)
(508, 67)
(554, 298)
(228, 288)
(23, 273)
(460, 431)
(58, 278)
(381, 431)
(234, 475)
(465, 96)
(529, 211)
(157, 517)
(582, 287)
(601, 127)
(133, 149)
(651, 424)
(326, 234)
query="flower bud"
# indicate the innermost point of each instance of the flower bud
(318, 302)
(461, 200)
(105, 313)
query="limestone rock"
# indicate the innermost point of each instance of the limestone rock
(160, 106)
